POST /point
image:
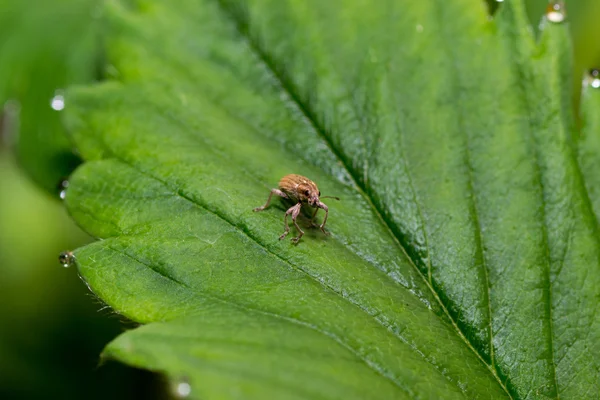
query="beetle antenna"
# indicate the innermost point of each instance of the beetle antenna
(330, 197)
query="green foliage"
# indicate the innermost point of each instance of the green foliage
(44, 46)
(588, 144)
(464, 255)
(52, 332)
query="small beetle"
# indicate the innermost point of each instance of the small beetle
(300, 190)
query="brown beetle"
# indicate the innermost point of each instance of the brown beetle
(299, 190)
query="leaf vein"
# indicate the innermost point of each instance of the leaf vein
(287, 87)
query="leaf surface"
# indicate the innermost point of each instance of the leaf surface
(463, 260)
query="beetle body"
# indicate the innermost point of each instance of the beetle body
(300, 190)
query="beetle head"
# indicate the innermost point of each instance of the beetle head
(309, 193)
(313, 200)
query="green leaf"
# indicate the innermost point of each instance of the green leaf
(44, 46)
(589, 142)
(463, 257)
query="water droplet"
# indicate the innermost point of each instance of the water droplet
(58, 101)
(62, 188)
(66, 258)
(419, 28)
(183, 389)
(593, 78)
(555, 12)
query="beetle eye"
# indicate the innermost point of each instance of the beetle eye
(307, 192)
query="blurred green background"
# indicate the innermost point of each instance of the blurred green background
(52, 329)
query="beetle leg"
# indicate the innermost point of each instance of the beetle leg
(295, 214)
(324, 207)
(273, 191)
(312, 220)
(290, 210)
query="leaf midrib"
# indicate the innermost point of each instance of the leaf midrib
(287, 87)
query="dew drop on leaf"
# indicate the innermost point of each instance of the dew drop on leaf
(58, 101)
(555, 12)
(182, 389)
(593, 78)
(62, 188)
(66, 258)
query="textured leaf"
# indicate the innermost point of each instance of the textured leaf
(463, 260)
(589, 143)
